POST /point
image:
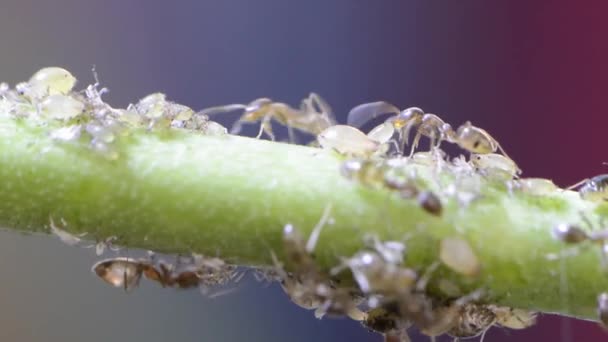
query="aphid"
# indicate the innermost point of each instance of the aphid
(495, 166)
(602, 308)
(443, 319)
(47, 82)
(430, 202)
(473, 320)
(124, 272)
(67, 133)
(365, 171)
(457, 254)
(349, 141)
(476, 140)
(593, 189)
(513, 318)
(64, 236)
(61, 107)
(401, 121)
(533, 186)
(307, 286)
(387, 321)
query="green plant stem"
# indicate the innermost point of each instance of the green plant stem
(176, 192)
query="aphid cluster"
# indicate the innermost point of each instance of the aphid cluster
(305, 284)
(49, 99)
(196, 271)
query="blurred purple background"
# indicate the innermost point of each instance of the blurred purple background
(532, 73)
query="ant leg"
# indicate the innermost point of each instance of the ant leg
(236, 128)
(291, 135)
(266, 127)
(416, 141)
(576, 185)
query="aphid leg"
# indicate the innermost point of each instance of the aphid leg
(314, 235)
(266, 127)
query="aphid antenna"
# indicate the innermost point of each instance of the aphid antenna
(314, 235)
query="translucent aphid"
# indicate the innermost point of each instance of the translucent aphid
(349, 141)
(61, 107)
(214, 128)
(307, 286)
(47, 82)
(477, 140)
(152, 106)
(67, 133)
(593, 189)
(457, 254)
(533, 186)
(124, 272)
(602, 309)
(365, 171)
(65, 237)
(400, 121)
(495, 166)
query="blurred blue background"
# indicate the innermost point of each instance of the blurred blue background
(532, 73)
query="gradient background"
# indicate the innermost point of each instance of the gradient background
(534, 74)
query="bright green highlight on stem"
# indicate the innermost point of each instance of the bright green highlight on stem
(231, 196)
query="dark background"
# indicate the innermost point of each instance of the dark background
(534, 74)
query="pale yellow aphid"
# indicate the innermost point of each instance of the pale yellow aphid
(49, 81)
(495, 166)
(477, 140)
(61, 107)
(457, 254)
(534, 186)
(348, 140)
(214, 128)
(67, 133)
(152, 106)
(400, 121)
